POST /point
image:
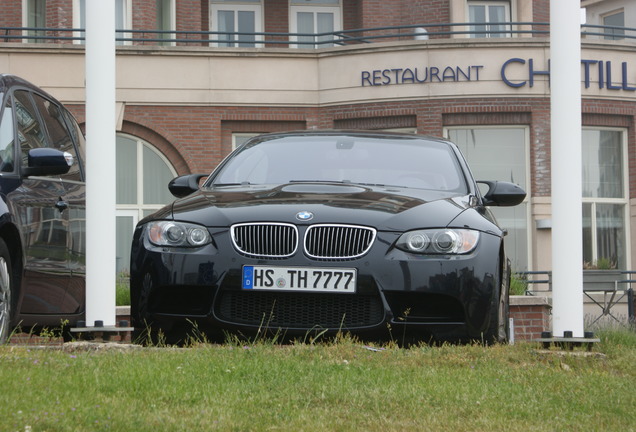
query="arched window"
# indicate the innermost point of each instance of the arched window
(142, 187)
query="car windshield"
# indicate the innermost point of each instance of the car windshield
(386, 161)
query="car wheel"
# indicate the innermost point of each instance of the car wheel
(6, 287)
(498, 328)
(147, 331)
(143, 332)
(503, 327)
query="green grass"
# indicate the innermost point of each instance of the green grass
(518, 284)
(122, 290)
(340, 386)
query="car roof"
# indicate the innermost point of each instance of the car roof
(8, 81)
(348, 133)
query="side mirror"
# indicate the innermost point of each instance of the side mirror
(47, 161)
(185, 185)
(503, 194)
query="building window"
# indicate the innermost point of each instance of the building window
(236, 23)
(510, 145)
(605, 229)
(240, 138)
(123, 18)
(612, 21)
(35, 17)
(142, 187)
(314, 22)
(401, 130)
(489, 18)
(166, 20)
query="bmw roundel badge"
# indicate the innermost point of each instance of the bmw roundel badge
(304, 215)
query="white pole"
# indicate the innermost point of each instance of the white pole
(567, 226)
(100, 162)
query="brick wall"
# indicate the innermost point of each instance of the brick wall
(383, 13)
(205, 15)
(352, 14)
(276, 15)
(427, 12)
(531, 316)
(11, 15)
(384, 122)
(541, 10)
(541, 13)
(59, 13)
(145, 14)
(191, 15)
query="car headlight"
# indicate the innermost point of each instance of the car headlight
(439, 241)
(177, 234)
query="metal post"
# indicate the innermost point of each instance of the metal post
(567, 226)
(630, 306)
(100, 163)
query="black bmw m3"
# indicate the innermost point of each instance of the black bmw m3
(319, 232)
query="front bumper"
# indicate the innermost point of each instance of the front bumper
(446, 297)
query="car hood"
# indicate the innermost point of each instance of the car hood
(386, 208)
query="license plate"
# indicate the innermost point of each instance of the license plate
(340, 280)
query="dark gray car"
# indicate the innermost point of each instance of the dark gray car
(42, 222)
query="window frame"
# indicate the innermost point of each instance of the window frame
(140, 209)
(407, 130)
(246, 135)
(528, 180)
(25, 21)
(77, 22)
(314, 9)
(7, 103)
(623, 201)
(254, 6)
(139, 170)
(613, 34)
(172, 26)
(509, 9)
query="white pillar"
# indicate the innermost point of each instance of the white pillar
(567, 225)
(100, 162)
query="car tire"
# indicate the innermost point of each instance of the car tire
(503, 328)
(6, 293)
(144, 332)
(499, 327)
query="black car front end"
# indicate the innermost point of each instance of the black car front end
(439, 295)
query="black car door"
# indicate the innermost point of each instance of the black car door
(75, 187)
(41, 210)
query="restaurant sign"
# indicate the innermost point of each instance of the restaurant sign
(595, 73)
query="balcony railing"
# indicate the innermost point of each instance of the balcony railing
(312, 40)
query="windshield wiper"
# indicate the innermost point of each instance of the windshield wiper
(383, 185)
(231, 184)
(349, 182)
(320, 181)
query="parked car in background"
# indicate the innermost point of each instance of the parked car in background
(316, 232)
(42, 241)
